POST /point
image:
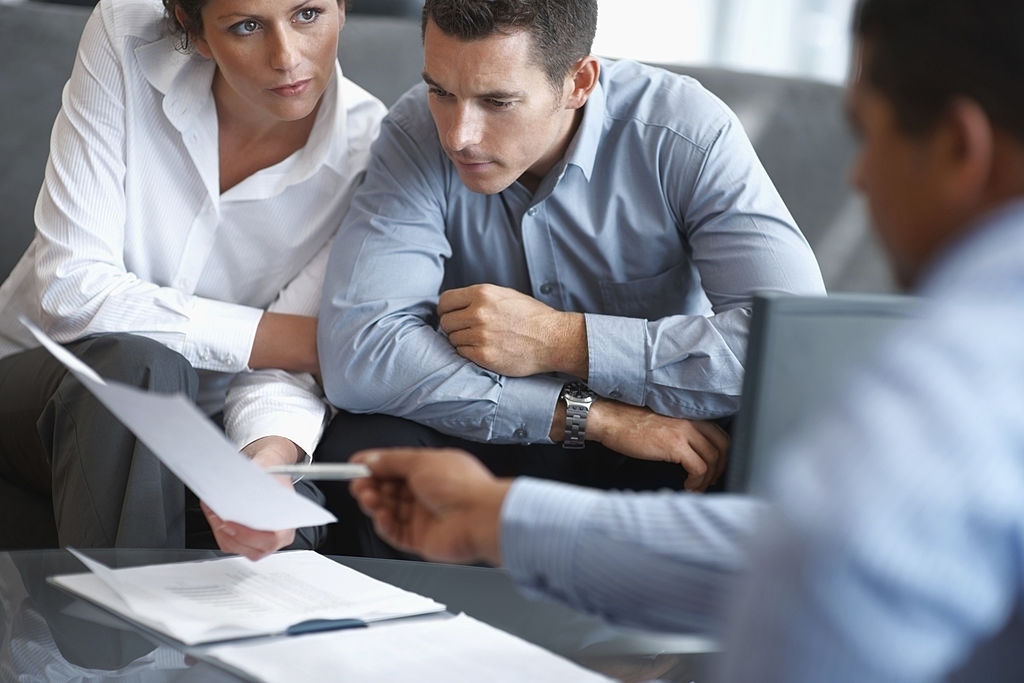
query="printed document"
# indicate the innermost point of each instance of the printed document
(232, 597)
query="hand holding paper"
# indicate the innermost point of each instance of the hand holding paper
(197, 452)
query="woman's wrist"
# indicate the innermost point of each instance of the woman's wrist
(274, 450)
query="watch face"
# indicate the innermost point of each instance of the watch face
(578, 391)
(578, 397)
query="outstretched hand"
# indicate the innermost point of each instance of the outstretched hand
(442, 504)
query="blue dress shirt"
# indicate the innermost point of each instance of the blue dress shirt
(893, 549)
(897, 553)
(659, 224)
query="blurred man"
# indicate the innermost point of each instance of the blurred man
(894, 550)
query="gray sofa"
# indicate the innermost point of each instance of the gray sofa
(796, 127)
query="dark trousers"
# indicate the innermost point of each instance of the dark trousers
(59, 445)
(593, 466)
(72, 474)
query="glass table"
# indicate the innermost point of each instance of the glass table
(49, 635)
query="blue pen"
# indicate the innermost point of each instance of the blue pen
(317, 625)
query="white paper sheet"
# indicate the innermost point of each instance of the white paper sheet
(231, 597)
(453, 650)
(197, 452)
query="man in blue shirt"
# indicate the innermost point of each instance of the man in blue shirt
(534, 218)
(893, 549)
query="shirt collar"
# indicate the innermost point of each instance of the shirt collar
(994, 245)
(329, 131)
(582, 150)
(183, 78)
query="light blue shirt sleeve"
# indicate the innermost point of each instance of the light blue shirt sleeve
(654, 560)
(659, 225)
(740, 239)
(898, 550)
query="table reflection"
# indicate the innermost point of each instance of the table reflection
(49, 635)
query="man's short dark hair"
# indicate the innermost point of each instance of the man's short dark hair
(923, 54)
(562, 30)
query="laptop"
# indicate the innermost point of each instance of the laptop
(800, 348)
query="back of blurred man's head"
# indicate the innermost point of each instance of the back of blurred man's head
(923, 54)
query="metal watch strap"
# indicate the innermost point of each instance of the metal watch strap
(577, 397)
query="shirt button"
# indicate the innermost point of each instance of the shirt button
(532, 211)
(547, 288)
(520, 433)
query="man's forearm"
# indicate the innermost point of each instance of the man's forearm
(605, 420)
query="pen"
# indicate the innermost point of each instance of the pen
(323, 470)
(318, 625)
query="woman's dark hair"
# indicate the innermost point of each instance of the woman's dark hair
(192, 24)
(562, 30)
(923, 54)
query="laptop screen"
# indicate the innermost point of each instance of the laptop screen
(799, 349)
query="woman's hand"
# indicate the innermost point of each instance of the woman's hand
(242, 540)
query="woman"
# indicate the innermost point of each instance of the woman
(204, 155)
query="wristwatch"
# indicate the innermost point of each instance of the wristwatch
(578, 398)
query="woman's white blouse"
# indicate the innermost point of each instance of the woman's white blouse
(133, 234)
